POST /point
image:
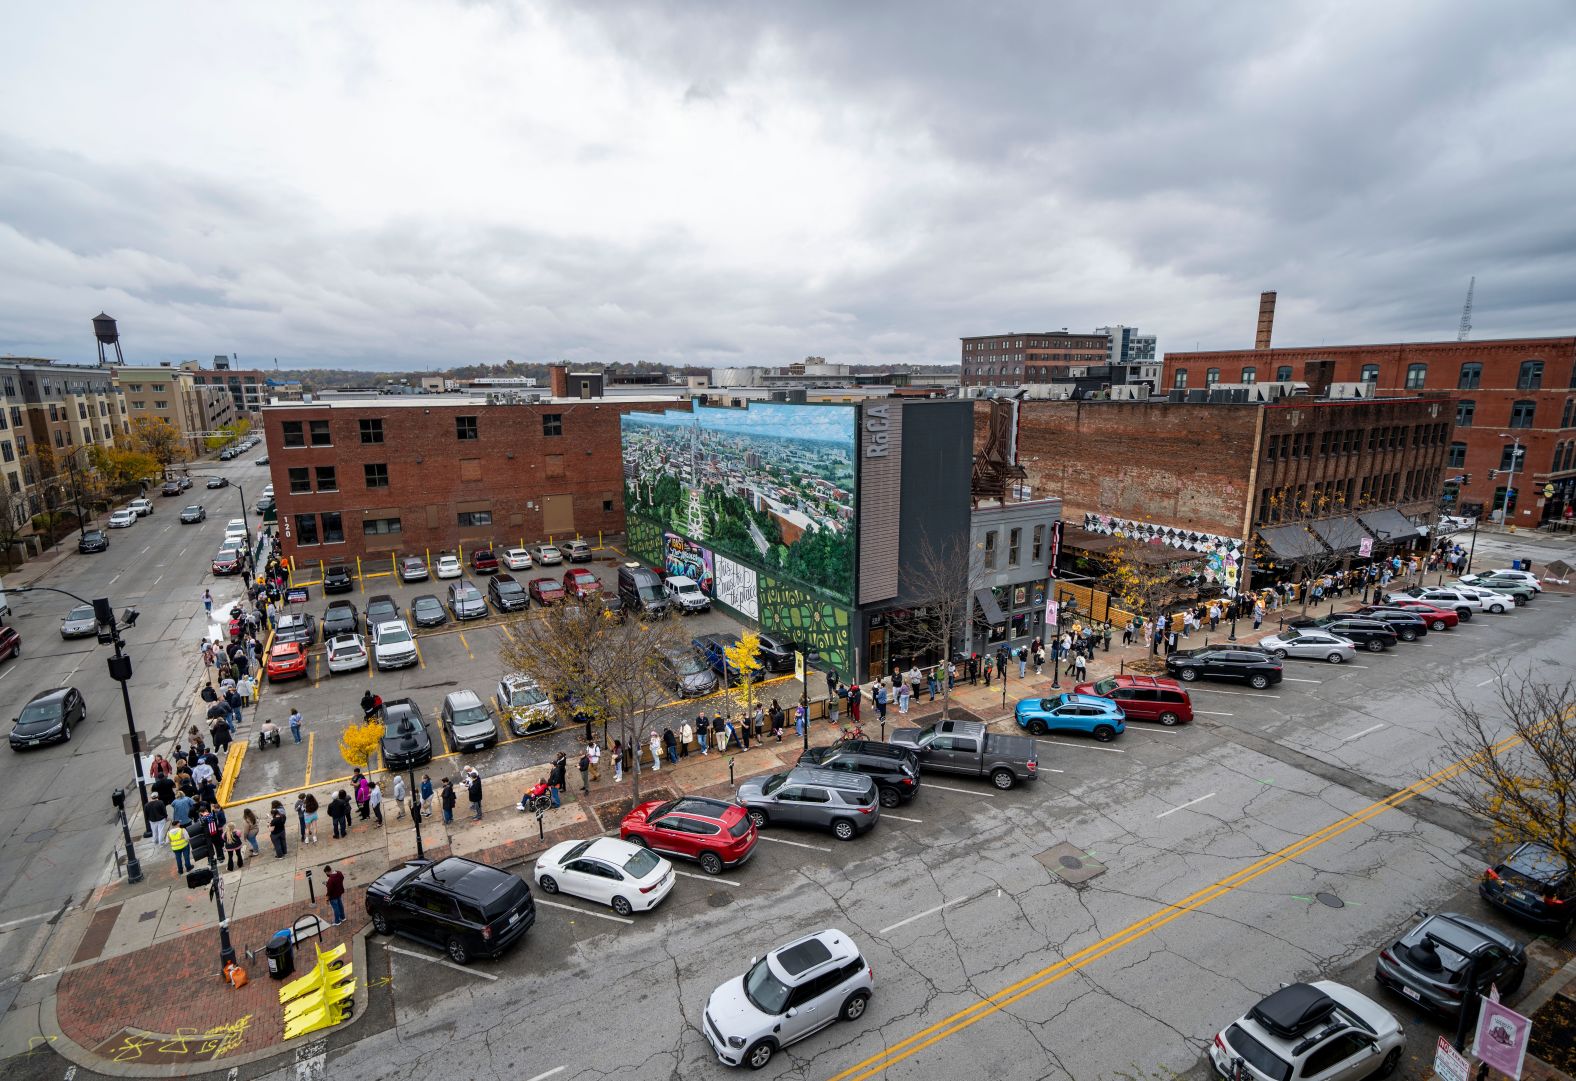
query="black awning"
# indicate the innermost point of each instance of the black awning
(1388, 525)
(988, 606)
(1291, 541)
(1341, 534)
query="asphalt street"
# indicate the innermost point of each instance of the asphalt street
(55, 811)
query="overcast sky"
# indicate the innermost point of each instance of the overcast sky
(427, 184)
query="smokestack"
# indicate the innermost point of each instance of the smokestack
(1266, 320)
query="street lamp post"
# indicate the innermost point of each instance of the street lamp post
(1517, 450)
(133, 865)
(415, 810)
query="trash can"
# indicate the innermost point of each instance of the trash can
(1515, 564)
(281, 955)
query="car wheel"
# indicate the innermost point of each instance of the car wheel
(759, 818)
(638, 841)
(759, 1054)
(1169, 719)
(1104, 733)
(1258, 682)
(1281, 653)
(1465, 614)
(1189, 675)
(456, 951)
(1003, 779)
(380, 924)
(1520, 601)
(548, 884)
(1391, 1061)
(711, 863)
(1036, 728)
(622, 906)
(1497, 609)
(854, 1006)
(891, 797)
(1335, 658)
(1375, 646)
(1437, 625)
(843, 830)
(1408, 636)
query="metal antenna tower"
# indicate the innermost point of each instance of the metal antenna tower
(1466, 312)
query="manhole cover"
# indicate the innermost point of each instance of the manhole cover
(1329, 900)
(39, 835)
(718, 900)
(1071, 864)
(146, 916)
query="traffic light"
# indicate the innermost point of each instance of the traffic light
(1466, 479)
(1493, 474)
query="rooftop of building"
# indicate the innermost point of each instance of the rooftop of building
(374, 400)
(1473, 343)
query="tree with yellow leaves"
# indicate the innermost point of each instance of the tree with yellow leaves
(359, 742)
(744, 658)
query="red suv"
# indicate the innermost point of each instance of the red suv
(483, 561)
(581, 583)
(1438, 618)
(714, 833)
(1144, 698)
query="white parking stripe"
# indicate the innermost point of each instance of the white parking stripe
(1364, 732)
(440, 961)
(1131, 727)
(550, 1073)
(1081, 746)
(1295, 679)
(718, 879)
(795, 844)
(1486, 682)
(582, 911)
(1185, 806)
(1209, 713)
(900, 818)
(922, 915)
(965, 791)
(1245, 694)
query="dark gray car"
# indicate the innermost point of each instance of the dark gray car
(466, 601)
(687, 671)
(1433, 963)
(848, 804)
(428, 611)
(468, 721)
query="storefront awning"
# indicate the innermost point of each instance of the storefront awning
(988, 606)
(1341, 534)
(1388, 525)
(1291, 541)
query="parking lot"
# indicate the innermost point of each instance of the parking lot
(451, 657)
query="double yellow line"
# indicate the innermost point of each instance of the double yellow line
(1090, 954)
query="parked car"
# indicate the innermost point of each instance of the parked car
(713, 648)
(428, 611)
(545, 591)
(711, 832)
(894, 769)
(546, 555)
(1431, 963)
(483, 561)
(1374, 635)
(336, 579)
(184, 481)
(1463, 604)
(412, 569)
(470, 724)
(1526, 578)
(1314, 1030)
(1084, 714)
(1311, 645)
(466, 909)
(1251, 665)
(341, 617)
(1408, 625)
(607, 870)
(226, 561)
(193, 514)
(170, 487)
(80, 622)
(122, 518)
(1437, 618)
(1497, 602)
(393, 646)
(261, 461)
(1144, 698)
(576, 551)
(775, 653)
(466, 601)
(506, 593)
(792, 992)
(381, 609)
(641, 591)
(406, 741)
(10, 643)
(685, 595)
(1535, 884)
(580, 583)
(527, 707)
(847, 804)
(48, 717)
(296, 627)
(687, 671)
(347, 653)
(93, 540)
(286, 660)
(217, 482)
(449, 567)
(140, 507)
(1517, 589)
(965, 747)
(516, 559)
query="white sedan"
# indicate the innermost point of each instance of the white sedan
(608, 871)
(517, 559)
(449, 567)
(123, 519)
(1310, 644)
(347, 653)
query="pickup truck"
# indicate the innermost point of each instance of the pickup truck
(966, 747)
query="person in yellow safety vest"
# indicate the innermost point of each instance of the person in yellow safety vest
(180, 844)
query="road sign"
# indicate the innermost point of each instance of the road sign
(1501, 1039)
(1449, 1064)
(798, 665)
(1548, 491)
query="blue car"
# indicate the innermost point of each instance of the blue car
(713, 648)
(1083, 713)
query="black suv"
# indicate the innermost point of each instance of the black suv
(465, 908)
(1247, 663)
(776, 654)
(381, 609)
(1409, 626)
(94, 540)
(1534, 883)
(337, 579)
(1373, 635)
(891, 767)
(507, 594)
(1432, 962)
(340, 618)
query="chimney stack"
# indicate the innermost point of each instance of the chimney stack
(1266, 320)
(558, 380)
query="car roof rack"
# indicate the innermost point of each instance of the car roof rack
(1293, 1010)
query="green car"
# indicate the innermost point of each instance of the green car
(1520, 590)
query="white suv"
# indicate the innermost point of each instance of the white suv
(1525, 577)
(790, 993)
(1320, 1029)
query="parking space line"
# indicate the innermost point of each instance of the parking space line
(584, 912)
(718, 879)
(1081, 746)
(1152, 731)
(1295, 679)
(795, 844)
(311, 739)
(1243, 694)
(1486, 682)
(550, 1073)
(440, 961)
(1364, 732)
(921, 915)
(964, 791)
(1211, 713)
(1185, 806)
(900, 818)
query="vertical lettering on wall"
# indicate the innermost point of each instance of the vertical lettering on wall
(880, 498)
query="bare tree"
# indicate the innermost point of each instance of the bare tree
(1139, 582)
(941, 581)
(14, 518)
(1518, 758)
(605, 669)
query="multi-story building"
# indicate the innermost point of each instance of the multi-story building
(249, 388)
(1125, 346)
(1510, 392)
(173, 395)
(1020, 358)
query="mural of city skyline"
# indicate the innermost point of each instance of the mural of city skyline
(771, 485)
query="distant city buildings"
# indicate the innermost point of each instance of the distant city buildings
(1055, 356)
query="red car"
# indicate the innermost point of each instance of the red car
(483, 561)
(10, 643)
(581, 583)
(545, 591)
(712, 832)
(1438, 618)
(1144, 698)
(287, 660)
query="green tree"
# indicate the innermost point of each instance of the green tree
(122, 467)
(158, 439)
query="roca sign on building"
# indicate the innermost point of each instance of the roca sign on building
(878, 427)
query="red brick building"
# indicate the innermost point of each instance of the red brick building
(1509, 389)
(418, 474)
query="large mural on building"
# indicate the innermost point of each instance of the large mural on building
(1222, 556)
(771, 486)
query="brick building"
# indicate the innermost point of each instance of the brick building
(1508, 389)
(171, 394)
(248, 387)
(1018, 358)
(1209, 478)
(411, 473)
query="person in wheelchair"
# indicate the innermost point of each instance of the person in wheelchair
(535, 797)
(267, 736)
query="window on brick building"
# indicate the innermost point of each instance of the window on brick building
(306, 529)
(468, 518)
(1037, 552)
(318, 429)
(1509, 453)
(1471, 376)
(378, 527)
(1250, 374)
(465, 428)
(327, 480)
(1014, 547)
(554, 466)
(1370, 373)
(1179, 379)
(990, 550)
(371, 429)
(552, 424)
(300, 480)
(1211, 377)
(1458, 455)
(333, 528)
(377, 474)
(1465, 408)
(1283, 374)
(1569, 414)
(1521, 413)
(1530, 377)
(1416, 376)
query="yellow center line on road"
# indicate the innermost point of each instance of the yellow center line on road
(311, 739)
(962, 1019)
(467, 646)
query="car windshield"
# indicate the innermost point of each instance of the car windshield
(687, 664)
(425, 604)
(510, 588)
(774, 783)
(345, 645)
(641, 863)
(471, 715)
(81, 611)
(524, 694)
(396, 637)
(39, 714)
(1106, 685)
(764, 990)
(650, 593)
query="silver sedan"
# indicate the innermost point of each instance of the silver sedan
(79, 622)
(1310, 644)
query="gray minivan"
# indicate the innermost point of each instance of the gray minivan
(642, 591)
(848, 804)
(468, 721)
